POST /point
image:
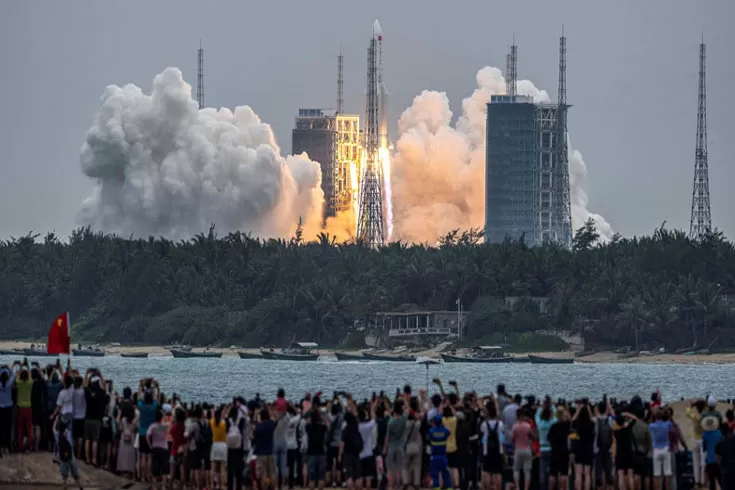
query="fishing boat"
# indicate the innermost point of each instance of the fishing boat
(550, 360)
(88, 352)
(11, 352)
(298, 351)
(249, 355)
(134, 355)
(388, 357)
(341, 356)
(520, 360)
(33, 352)
(482, 354)
(188, 353)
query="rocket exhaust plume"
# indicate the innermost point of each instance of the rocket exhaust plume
(438, 170)
(164, 167)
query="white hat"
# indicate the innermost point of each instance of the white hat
(711, 401)
(166, 408)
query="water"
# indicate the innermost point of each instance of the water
(220, 379)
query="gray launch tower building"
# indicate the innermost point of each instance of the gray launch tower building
(527, 169)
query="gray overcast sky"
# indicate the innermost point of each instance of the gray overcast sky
(632, 79)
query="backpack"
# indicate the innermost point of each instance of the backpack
(604, 434)
(493, 441)
(204, 437)
(234, 437)
(65, 450)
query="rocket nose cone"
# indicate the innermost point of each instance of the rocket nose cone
(377, 31)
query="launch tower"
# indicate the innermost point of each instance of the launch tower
(527, 172)
(701, 219)
(370, 222)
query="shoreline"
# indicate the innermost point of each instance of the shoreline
(605, 357)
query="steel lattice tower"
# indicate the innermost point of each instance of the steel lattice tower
(200, 75)
(565, 219)
(701, 218)
(370, 226)
(340, 83)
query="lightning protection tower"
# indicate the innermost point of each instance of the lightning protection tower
(563, 218)
(340, 83)
(370, 226)
(701, 219)
(200, 75)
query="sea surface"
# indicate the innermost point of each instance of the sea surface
(218, 380)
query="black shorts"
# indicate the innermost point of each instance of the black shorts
(39, 416)
(624, 461)
(585, 458)
(493, 463)
(559, 464)
(368, 468)
(193, 461)
(106, 434)
(453, 459)
(77, 428)
(332, 456)
(352, 467)
(642, 465)
(143, 446)
(159, 462)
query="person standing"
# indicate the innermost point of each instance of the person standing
(660, 429)
(7, 380)
(544, 421)
(157, 435)
(438, 437)
(522, 436)
(265, 463)
(492, 448)
(24, 388)
(38, 409)
(79, 413)
(316, 431)
(394, 448)
(694, 414)
(96, 400)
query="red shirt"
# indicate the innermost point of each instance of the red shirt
(281, 405)
(176, 432)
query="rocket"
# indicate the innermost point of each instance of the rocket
(382, 91)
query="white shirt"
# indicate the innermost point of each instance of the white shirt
(293, 426)
(509, 418)
(494, 425)
(366, 431)
(64, 401)
(80, 404)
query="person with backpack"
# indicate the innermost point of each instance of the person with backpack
(492, 448)
(334, 438)
(293, 442)
(193, 457)
(603, 446)
(204, 446)
(147, 408)
(156, 437)
(67, 461)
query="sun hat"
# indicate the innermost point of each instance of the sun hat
(167, 409)
(710, 423)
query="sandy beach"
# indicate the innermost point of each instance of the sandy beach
(599, 357)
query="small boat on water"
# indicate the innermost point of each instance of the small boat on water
(388, 357)
(37, 353)
(491, 354)
(88, 353)
(188, 353)
(298, 351)
(11, 352)
(550, 360)
(134, 355)
(342, 356)
(249, 355)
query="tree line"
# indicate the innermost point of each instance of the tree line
(663, 290)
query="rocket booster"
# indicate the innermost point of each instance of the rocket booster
(382, 91)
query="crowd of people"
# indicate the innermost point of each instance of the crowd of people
(408, 440)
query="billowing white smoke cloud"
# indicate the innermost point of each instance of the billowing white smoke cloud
(164, 167)
(438, 174)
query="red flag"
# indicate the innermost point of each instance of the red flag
(58, 336)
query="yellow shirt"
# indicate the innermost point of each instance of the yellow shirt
(24, 392)
(219, 432)
(696, 419)
(451, 424)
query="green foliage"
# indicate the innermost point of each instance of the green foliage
(648, 292)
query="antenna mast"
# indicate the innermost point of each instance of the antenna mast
(340, 83)
(701, 218)
(200, 75)
(513, 68)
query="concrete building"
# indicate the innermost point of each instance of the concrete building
(333, 140)
(524, 175)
